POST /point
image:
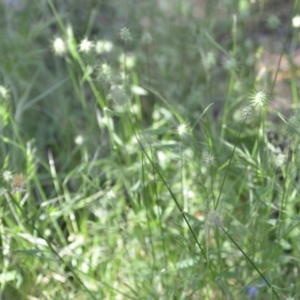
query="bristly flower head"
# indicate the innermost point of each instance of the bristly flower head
(182, 129)
(247, 112)
(259, 100)
(7, 176)
(125, 34)
(85, 46)
(59, 46)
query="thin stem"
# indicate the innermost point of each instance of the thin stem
(251, 262)
(227, 169)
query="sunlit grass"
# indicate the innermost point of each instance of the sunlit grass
(135, 165)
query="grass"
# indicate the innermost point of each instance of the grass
(145, 152)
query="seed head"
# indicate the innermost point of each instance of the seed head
(85, 46)
(247, 111)
(125, 34)
(259, 100)
(7, 176)
(182, 129)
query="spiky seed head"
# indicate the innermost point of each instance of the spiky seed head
(125, 34)
(247, 112)
(182, 129)
(259, 100)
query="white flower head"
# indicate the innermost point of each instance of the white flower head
(7, 176)
(138, 90)
(296, 21)
(79, 140)
(127, 61)
(279, 159)
(59, 46)
(4, 94)
(110, 194)
(103, 46)
(85, 46)
(182, 129)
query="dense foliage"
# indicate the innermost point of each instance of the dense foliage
(149, 149)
